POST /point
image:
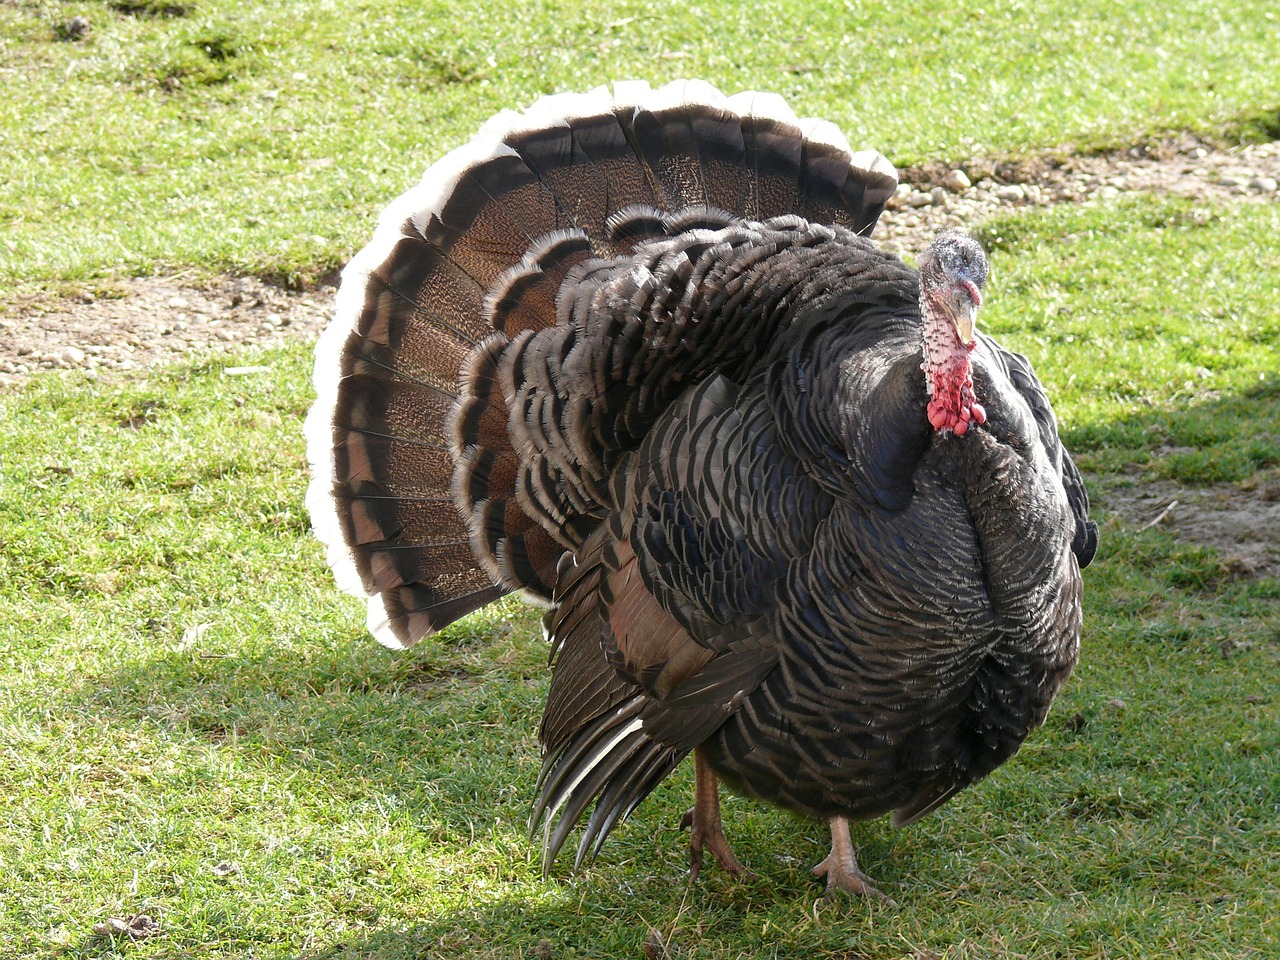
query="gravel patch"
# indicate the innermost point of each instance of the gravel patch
(934, 196)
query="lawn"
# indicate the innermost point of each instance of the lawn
(194, 724)
(263, 138)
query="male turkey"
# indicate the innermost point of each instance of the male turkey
(632, 355)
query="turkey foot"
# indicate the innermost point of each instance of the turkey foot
(841, 867)
(706, 829)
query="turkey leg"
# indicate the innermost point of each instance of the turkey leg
(841, 868)
(704, 818)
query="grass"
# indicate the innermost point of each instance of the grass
(236, 136)
(1156, 323)
(183, 688)
(194, 724)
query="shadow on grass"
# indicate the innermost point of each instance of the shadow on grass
(443, 755)
(1221, 436)
(445, 737)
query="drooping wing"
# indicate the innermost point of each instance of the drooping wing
(665, 620)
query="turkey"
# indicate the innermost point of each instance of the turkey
(632, 354)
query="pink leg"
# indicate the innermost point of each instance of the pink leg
(841, 868)
(704, 819)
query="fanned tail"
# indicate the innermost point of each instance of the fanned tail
(426, 504)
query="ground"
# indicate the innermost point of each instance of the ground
(1240, 521)
(131, 324)
(135, 323)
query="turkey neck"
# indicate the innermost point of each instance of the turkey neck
(948, 374)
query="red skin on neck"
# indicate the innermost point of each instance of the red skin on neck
(953, 405)
(948, 374)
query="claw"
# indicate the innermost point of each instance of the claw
(703, 822)
(841, 867)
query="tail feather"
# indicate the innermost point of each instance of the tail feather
(401, 616)
(525, 295)
(431, 348)
(419, 290)
(671, 143)
(587, 141)
(499, 210)
(773, 148)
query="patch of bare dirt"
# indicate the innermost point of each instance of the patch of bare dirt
(934, 195)
(1240, 521)
(153, 320)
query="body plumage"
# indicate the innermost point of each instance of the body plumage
(634, 355)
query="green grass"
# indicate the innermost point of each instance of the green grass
(1156, 324)
(183, 686)
(262, 138)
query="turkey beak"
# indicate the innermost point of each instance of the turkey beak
(967, 299)
(965, 316)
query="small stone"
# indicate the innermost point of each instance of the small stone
(1010, 192)
(956, 181)
(1227, 180)
(138, 927)
(1265, 184)
(77, 28)
(939, 196)
(900, 196)
(71, 356)
(919, 199)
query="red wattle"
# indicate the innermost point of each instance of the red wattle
(953, 406)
